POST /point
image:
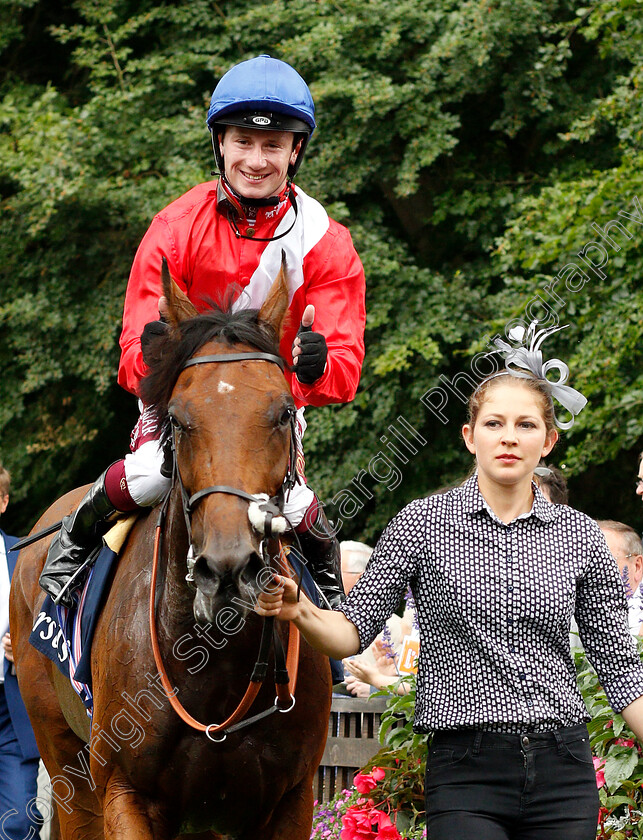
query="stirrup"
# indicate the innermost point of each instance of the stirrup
(69, 585)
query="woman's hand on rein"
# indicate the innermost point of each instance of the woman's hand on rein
(328, 631)
(279, 600)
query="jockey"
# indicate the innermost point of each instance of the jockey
(223, 239)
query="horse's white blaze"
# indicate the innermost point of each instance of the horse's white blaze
(225, 387)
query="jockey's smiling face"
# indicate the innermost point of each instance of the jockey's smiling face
(256, 160)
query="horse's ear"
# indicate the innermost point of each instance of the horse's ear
(275, 308)
(180, 307)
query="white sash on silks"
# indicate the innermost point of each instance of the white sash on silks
(311, 225)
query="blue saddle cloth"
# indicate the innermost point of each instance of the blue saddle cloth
(65, 635)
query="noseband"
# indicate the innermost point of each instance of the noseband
(284, 685)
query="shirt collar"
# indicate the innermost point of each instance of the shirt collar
(473, 502)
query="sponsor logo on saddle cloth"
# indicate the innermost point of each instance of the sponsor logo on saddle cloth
(311, 225)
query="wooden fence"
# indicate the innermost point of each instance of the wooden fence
(353, 727)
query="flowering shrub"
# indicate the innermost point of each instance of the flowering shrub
(387, 800)
(617, 760)
(327, 819)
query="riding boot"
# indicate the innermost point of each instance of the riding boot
(78, 533)
(321, 549)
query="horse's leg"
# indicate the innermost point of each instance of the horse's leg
(292, 818)
(77, 807)
(127, 814)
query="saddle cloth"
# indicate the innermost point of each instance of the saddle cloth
(65, 635)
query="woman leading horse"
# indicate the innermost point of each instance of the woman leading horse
(143, 772)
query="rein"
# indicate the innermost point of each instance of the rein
(284, 684)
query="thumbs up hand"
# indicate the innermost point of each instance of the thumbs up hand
(309, 349)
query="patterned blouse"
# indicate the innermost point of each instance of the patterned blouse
(494, 603)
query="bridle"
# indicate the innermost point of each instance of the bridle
(271, 548)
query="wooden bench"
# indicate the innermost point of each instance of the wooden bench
(353, 727)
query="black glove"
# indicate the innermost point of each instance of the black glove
(152, 332)
(311, 362)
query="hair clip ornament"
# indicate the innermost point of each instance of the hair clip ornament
(529, 357)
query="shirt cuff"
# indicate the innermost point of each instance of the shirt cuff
(353, 617)
(624, 689)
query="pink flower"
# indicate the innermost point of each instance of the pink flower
(378, 774)
(625, 742)
(389, 832)
(356, 825)
(385, 828)
(368, 824)
(599, 763)
(364, 782)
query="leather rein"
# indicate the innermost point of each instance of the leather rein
(271, 548)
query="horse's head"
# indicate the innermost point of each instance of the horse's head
(231, 426)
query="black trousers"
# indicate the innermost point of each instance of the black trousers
(486, 786)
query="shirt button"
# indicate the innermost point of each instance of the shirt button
(512, 650)
(510, 621)
(523, 676)
(530, 703)
(510, 588)
(525, 741)
(250, 232)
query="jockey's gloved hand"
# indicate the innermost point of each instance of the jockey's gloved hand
(149, 337)
(311, 362)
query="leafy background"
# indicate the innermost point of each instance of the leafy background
(469, 146)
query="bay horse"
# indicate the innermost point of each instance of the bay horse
(146, 774)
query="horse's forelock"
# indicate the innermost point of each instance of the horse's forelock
(175, 348)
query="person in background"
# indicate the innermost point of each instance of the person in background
(226, 241)
(627, 549)
(376, 667)
(354, 557)
(639, 480)
(552, 483)
(19, 757)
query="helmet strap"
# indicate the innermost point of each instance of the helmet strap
(235, 214)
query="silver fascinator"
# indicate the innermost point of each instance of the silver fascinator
(528, 357)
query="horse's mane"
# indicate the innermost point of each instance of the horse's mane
(171, 351)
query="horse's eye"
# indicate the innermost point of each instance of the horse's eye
(177, 425)
(287, 415)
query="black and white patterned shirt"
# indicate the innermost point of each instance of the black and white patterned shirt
(494, 604)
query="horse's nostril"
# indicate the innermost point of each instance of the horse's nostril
(226, 574)
(207, 567)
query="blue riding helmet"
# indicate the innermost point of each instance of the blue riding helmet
(262, 93)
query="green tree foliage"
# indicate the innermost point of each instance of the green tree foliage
(469, 147)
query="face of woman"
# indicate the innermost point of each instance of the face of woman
(510, 436)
